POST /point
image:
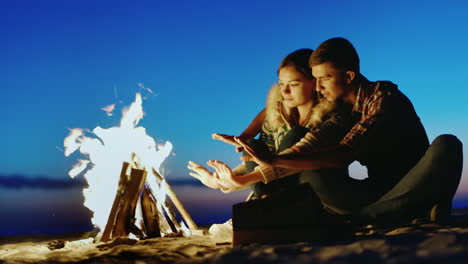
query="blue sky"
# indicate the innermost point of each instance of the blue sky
(210, 63)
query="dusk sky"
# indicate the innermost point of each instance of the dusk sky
(210, 65)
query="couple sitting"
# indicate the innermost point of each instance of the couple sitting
(324, 114)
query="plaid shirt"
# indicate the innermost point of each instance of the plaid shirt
(370, 104)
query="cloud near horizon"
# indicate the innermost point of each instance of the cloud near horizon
(17, 181)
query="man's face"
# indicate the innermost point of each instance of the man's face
(331, 82)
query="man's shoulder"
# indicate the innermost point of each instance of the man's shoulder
(382, 89)
(386, 87)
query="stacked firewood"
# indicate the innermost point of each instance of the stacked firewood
(132, 192)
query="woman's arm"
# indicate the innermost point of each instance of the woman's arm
(232, 182)
(250, 132)
(223, 178)
(254, 127)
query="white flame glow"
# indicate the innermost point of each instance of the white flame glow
(78, 168)
(106, 150)
(109, 109)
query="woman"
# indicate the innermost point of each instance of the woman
(293, 109)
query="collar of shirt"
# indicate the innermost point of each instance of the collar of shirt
(363, 93)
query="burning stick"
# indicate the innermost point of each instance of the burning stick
(106, 235)
(177, 203)
(171, 194)
(150, 214)
(121, 218)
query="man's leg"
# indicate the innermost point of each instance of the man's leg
(433, 181)
(338, 191)
(333, 186)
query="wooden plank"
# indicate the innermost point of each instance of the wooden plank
(115, 206)
(130, 197)
(150, 214)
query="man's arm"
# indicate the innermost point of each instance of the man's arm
(336, 157)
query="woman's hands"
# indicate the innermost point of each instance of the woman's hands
(228, 180)
(261, 158)
(202, 174)
(222, 178)
(227, 139)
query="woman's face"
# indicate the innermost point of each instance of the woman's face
(296, 89)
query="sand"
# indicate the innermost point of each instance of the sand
(416, 242)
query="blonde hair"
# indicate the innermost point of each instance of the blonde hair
(320, 110)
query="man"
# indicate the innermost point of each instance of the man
(405, 178)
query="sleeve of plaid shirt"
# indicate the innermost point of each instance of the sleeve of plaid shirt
(328, 133)
(373, 113)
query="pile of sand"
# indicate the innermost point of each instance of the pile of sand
(417, 242)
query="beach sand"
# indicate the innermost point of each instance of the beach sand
(416, 242)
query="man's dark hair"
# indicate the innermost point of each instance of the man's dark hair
(299, 59)
(339, 51)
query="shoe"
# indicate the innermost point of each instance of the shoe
(221, 233)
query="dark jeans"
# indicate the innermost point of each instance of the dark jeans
(434, 179)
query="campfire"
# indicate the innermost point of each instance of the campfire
(126, 190)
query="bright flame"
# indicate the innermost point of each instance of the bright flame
(106, 151)
(78, 168)
(72, 142)
(109, 109)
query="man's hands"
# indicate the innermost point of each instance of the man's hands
(222, 178)
(261, 158)
(227, 139)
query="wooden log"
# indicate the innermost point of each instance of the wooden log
(131, 190)
(150, 214)
(169, 209)
(170, 222)
(177, 203)
(126, 212)
(106, 235)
